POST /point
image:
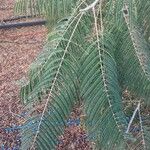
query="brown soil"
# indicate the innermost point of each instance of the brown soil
(18, 49)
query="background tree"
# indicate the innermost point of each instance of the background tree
(96, 50)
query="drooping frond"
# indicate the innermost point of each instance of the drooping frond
(134, 54)
(57, 78)
(102, 97)
(100, 90)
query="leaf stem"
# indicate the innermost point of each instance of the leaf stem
(133, 116)
(90, 6)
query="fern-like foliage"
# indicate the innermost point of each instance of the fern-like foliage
(102, 97)
(91, 56)
(143, 17)
(134, 56)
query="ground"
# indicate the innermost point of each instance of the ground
(18, 48)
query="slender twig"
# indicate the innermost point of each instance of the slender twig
(90, 6)
(133, 116)
(22, 24)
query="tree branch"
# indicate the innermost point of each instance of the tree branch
(133, 116)
(90, 6)
(22, 24)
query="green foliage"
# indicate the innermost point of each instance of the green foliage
(54, 11)
(92, 56)
(102, 97)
